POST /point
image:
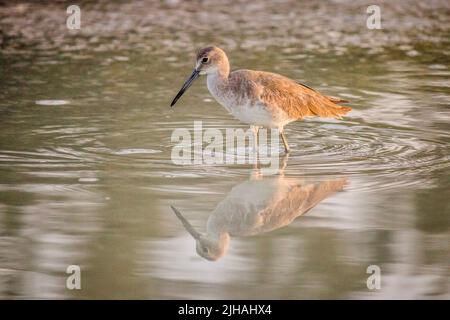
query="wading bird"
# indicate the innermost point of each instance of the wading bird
(257, 206)
(258, 98)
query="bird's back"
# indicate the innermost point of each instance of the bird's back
(276, 92)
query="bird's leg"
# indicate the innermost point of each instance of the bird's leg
(284, 164)
(255, 137)
(255, 130)
(283, 138)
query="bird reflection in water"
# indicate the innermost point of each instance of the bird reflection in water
(258, 205)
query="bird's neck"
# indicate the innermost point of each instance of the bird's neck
(220, 74)
(217, 81)
(223, 68)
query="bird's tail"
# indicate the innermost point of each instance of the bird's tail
(336, 100)
(336, 110)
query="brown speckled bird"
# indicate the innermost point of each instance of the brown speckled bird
(258, 98)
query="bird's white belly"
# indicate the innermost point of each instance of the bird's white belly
(254, 115)
(258, 115)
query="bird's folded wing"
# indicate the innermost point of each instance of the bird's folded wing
(298, 201)
(297, 100)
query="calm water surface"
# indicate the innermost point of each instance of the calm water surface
(86, 176)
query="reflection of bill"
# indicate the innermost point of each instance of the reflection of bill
(231, 146)
(257, 206)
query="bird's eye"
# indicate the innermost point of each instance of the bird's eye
(205, 60)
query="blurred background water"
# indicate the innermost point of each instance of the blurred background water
(85, 170)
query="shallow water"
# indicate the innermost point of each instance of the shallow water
(86, 176)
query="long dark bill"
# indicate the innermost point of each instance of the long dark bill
(189, 228)
(195, 74)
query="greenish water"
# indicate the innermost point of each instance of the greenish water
(88, 181)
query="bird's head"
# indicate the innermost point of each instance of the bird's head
(211, 247)
(212, 250)
(209, 60)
